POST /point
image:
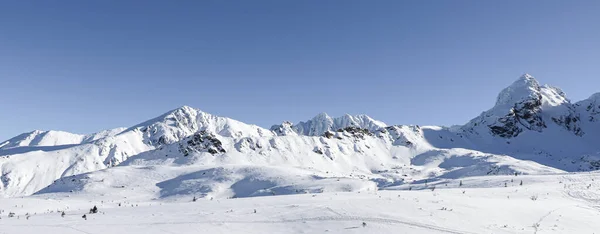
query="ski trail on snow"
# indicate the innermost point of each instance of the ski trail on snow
(341, 218)
(537, 225)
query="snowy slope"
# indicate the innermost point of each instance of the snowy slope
(532, 129)
(55, 138)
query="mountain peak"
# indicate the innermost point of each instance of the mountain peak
(526, 76)
(526, 87)
(526, 80)
(321, 116)
(185, 109)
(323, 122)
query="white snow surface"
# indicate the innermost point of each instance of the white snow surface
(55, 138)
(556, 203)
(338, 172)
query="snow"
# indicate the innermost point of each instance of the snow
(526, 87)
(543, 204)
(323, 122)
(55, 138)
(327, 174)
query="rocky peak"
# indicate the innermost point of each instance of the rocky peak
(322, 122)
(525, 105)
(517, 108)
(200, 142)
(526, 88)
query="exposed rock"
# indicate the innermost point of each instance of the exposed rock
(201, 141)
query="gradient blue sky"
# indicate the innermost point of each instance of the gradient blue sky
(83, 66)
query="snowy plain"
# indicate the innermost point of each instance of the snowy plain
(565, 203)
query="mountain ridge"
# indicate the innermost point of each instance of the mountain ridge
(531, 129)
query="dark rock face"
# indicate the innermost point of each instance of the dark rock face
(523, 115)
(569, 122)
(528, 114)
(5, 179)
(506, 127)
(201, 141)
(328, 134)
(356, 132)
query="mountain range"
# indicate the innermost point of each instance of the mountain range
(531, 129)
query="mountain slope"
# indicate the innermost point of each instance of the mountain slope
(55, 138)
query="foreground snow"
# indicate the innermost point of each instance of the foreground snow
(560, 203)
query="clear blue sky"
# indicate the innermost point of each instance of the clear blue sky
(83, 66)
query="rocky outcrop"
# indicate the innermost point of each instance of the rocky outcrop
(284, 129)
(202, 141)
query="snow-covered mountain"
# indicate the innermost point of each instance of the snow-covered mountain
(525, 105)
(531, 129)
(323, 122)
(55, 138)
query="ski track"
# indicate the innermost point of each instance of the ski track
(341, 218)
(578, 189)
(536, 227)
